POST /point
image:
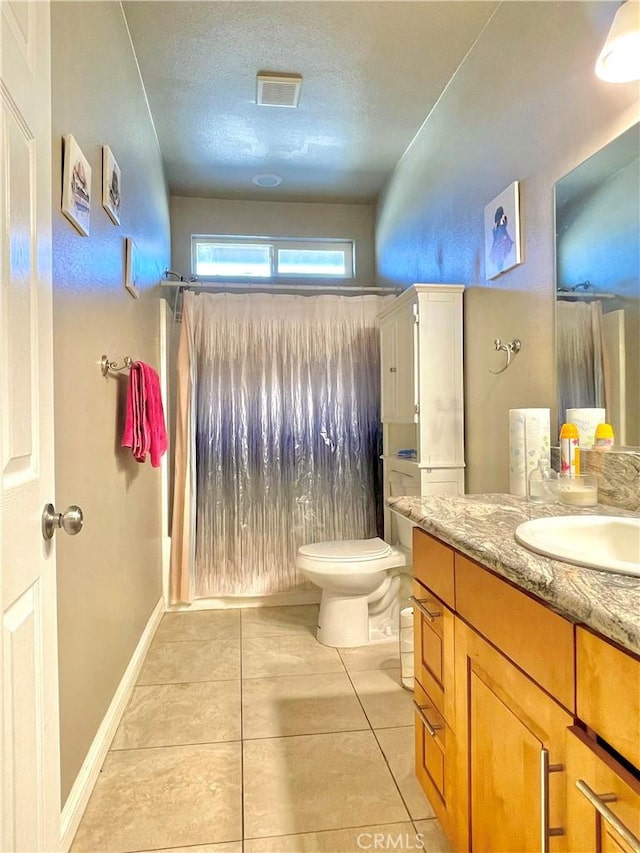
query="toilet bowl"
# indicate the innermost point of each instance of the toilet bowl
(360, 582)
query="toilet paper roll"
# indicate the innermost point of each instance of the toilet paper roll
(406, 669)
(529, 439)
(586, 420)
(406, 647)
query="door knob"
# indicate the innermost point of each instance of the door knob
(71, 520)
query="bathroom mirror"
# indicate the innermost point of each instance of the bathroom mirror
(597, 208)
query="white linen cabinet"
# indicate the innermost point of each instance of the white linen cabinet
(422, 402)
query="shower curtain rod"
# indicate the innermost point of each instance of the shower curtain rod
(309, 289)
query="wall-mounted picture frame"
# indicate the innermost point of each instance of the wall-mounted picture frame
(76, 185)
(132, 267)
(111, 184)
(502, 232)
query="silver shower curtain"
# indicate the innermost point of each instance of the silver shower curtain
(285, 414)
(579, 355)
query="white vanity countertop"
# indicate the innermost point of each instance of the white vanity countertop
(483, 526)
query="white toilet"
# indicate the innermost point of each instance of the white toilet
(360, 581)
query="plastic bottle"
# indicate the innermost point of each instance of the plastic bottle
(604, 437)
(543, 483)
(569, 449)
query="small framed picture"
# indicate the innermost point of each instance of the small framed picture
(76, 185)
(502, 232)
(110, 185)
(132, 267)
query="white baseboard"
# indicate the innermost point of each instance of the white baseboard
(83, 786)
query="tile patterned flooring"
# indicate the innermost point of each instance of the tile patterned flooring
(245, 735)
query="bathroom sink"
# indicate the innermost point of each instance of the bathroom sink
(608, 543)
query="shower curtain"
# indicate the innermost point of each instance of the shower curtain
(278, 438)
(580, 356)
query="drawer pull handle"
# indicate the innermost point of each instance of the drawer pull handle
(393, 370)
(426, 613)
(420, 710)
(545, 831)
(599, 802)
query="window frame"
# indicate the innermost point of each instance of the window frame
(274, 244)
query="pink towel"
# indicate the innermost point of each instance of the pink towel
(144, 426)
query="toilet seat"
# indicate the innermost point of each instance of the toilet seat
(346, 558)
(347, 551)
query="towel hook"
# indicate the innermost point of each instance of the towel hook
(511, 348)
(106, 365)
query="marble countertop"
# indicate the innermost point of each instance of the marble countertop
(483, 526)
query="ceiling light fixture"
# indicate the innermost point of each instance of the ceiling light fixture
(266, 179)
(619, 60)
(278, 90)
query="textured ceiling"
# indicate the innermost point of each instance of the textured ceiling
(372, 72)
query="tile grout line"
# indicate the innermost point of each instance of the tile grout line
(384, 757)
(325, 831)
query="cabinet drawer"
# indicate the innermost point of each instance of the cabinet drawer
(608, 693)
(433, 648)
(434, 756)
(535, 638)
(606, 805)
(433, 566)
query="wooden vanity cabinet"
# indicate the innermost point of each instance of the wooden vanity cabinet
(603, 799)
(608, 693)
(511, 699)
(511, 737)
(433, 630)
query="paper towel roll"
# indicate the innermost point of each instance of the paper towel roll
(586, 420)
(529, 439)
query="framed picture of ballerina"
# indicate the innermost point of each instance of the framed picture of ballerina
(502, 232)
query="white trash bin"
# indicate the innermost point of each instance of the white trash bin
(406, 647)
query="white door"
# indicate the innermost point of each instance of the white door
(30, 778)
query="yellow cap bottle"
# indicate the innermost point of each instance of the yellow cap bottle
(604, 437)
(569, 449)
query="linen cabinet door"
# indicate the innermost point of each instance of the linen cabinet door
(397, 366)
(388, 370)
(511, 746)
(603, 800)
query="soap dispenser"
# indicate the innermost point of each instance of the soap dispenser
(543, 483)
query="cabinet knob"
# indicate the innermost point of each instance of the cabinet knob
(393, 370)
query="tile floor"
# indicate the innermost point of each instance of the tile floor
(245, 735)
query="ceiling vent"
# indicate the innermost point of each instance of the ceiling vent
(278, 90)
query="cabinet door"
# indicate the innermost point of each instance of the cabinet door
(603, 800)
(388, 369)
(511, 746)
(397, 366)
(405, 357)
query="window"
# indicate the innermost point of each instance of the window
(261, 257)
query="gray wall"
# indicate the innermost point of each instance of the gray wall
(272, 219)
(109, 577)
(525, 105)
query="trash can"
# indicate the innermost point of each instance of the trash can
(406, 647)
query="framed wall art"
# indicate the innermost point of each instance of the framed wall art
(111, 183)
(502, 232)
(132, 267)
(76, 185)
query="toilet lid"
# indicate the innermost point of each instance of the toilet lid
(347, 550)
